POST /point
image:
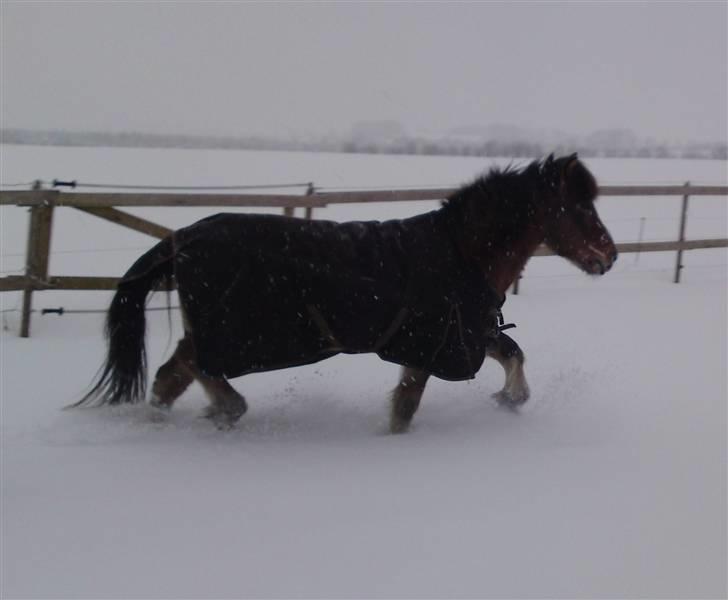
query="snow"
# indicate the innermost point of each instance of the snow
(610, 483)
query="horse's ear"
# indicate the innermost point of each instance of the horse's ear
(550, 172)
(577, 179)
(569, 163)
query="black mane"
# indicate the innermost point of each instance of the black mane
(501, 182)
(502, 199)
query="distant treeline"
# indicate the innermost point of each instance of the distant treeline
(398, 145)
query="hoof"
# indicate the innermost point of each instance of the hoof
(158, 411)
(506, 399)
(399, 426)
(159, 406)
(223, 420)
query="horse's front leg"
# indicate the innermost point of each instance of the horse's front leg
(515, 391)
(406, 398)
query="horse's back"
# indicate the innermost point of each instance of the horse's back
(255, 288)
(262, 292)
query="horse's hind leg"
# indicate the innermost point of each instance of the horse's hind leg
(406, 398)
(226, 404)
(515, 391)
(174, 376)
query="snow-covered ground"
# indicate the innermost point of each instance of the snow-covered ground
(610, 483)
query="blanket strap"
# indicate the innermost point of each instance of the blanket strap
(399, 318)
(318, 318)
(502, 325)
(391, 330)
(461, 336)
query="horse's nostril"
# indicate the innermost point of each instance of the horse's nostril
(613, 256)
(596, 267)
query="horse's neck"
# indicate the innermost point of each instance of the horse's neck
(501, 242)
(500, 255)
(505, 264)
(506, 256)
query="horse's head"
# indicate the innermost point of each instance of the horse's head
(571, 224)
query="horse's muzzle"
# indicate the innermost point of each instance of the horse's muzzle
(599, 266)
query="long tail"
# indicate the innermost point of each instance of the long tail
(122, 378)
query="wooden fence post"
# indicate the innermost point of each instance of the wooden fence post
(310, 192)
(683, 223)
(290, 211)
(515, 284)
(37, 256)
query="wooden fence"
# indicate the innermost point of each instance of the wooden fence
(42, 204)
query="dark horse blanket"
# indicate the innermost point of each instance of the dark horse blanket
(262, 292)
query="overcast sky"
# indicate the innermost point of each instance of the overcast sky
(660, 69)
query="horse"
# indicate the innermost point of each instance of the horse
(264, 292)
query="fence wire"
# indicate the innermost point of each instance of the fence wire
(120, 186)
(80, 311)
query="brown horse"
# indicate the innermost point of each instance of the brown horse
(261, 292)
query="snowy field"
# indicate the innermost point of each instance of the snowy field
(611, 483)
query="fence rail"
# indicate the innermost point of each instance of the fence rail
(42, 204)
(318, 199)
